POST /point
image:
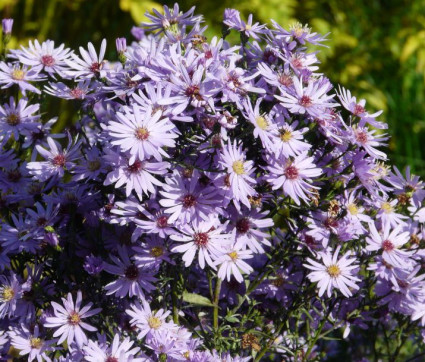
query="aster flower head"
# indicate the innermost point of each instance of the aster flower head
(311, 100)
(240, 172)
(142, 134)
(233, 20)
(138, 175)
(118, 351)
(79, 92)
(11, 74)
(264, 126)
(334, 273)
(44, 57)
(185, 200)
(31, 343)
(58, 159)
(292, 175)
(133, 280)
(389, 242)
(10, 293)
(68, 318)
(207, 238)
(148, 323)
(289, 141)
(356, 108)
(232, 262)
(90, 65)
(17, 118)
(171, 20)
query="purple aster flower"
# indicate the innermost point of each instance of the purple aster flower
(90, 66)
(93, 264)
(186, 200)
(133, 280)
(15, 118)
(61, 90)
(7, 25)
(11, 292)
(147, 322)
(44, 56)
(137, 176)
(240, 172)
(43, 216)
(154, 223)
(143, 135)
(249, 228)
(58, 160)
(311, 100)
(363, 137)
(91, 167)
(333, 273)
(389, 242)
(118, 351)
(387, 213)
(15, 74)
(264, 126)
(248, 29)
(232, 18)
(152, 252)
(205, 237)
(189, 90)
(291, 175)
(19, 237)
(171, 19)
(302, 33)
(410, 186)
(31, 343)
(68, 319)
(357, 109)
(289, 141)
(231, 262)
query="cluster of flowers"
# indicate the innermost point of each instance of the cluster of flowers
(211, 202)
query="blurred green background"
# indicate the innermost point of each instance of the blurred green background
(376, 47)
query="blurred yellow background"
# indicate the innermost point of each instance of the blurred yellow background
(376, 48)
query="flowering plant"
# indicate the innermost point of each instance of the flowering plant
(210, 203)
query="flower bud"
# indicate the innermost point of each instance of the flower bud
(7, 26)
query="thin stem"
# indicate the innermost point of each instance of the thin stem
(216, 299)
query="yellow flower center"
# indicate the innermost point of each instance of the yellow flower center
(154, 322)
(142, 134)
(238, 167)
(333, 270)
(352, 208)
(262, 122)
(157, 251)
(8, 294)
(386, 206)
(18, 74)
(94, 165)
(279, 281)
(74, 318)
(13, 119)
(186, 354)
(285, 135)
(36, 343)
(233, 255)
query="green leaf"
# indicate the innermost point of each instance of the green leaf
(197, 299)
